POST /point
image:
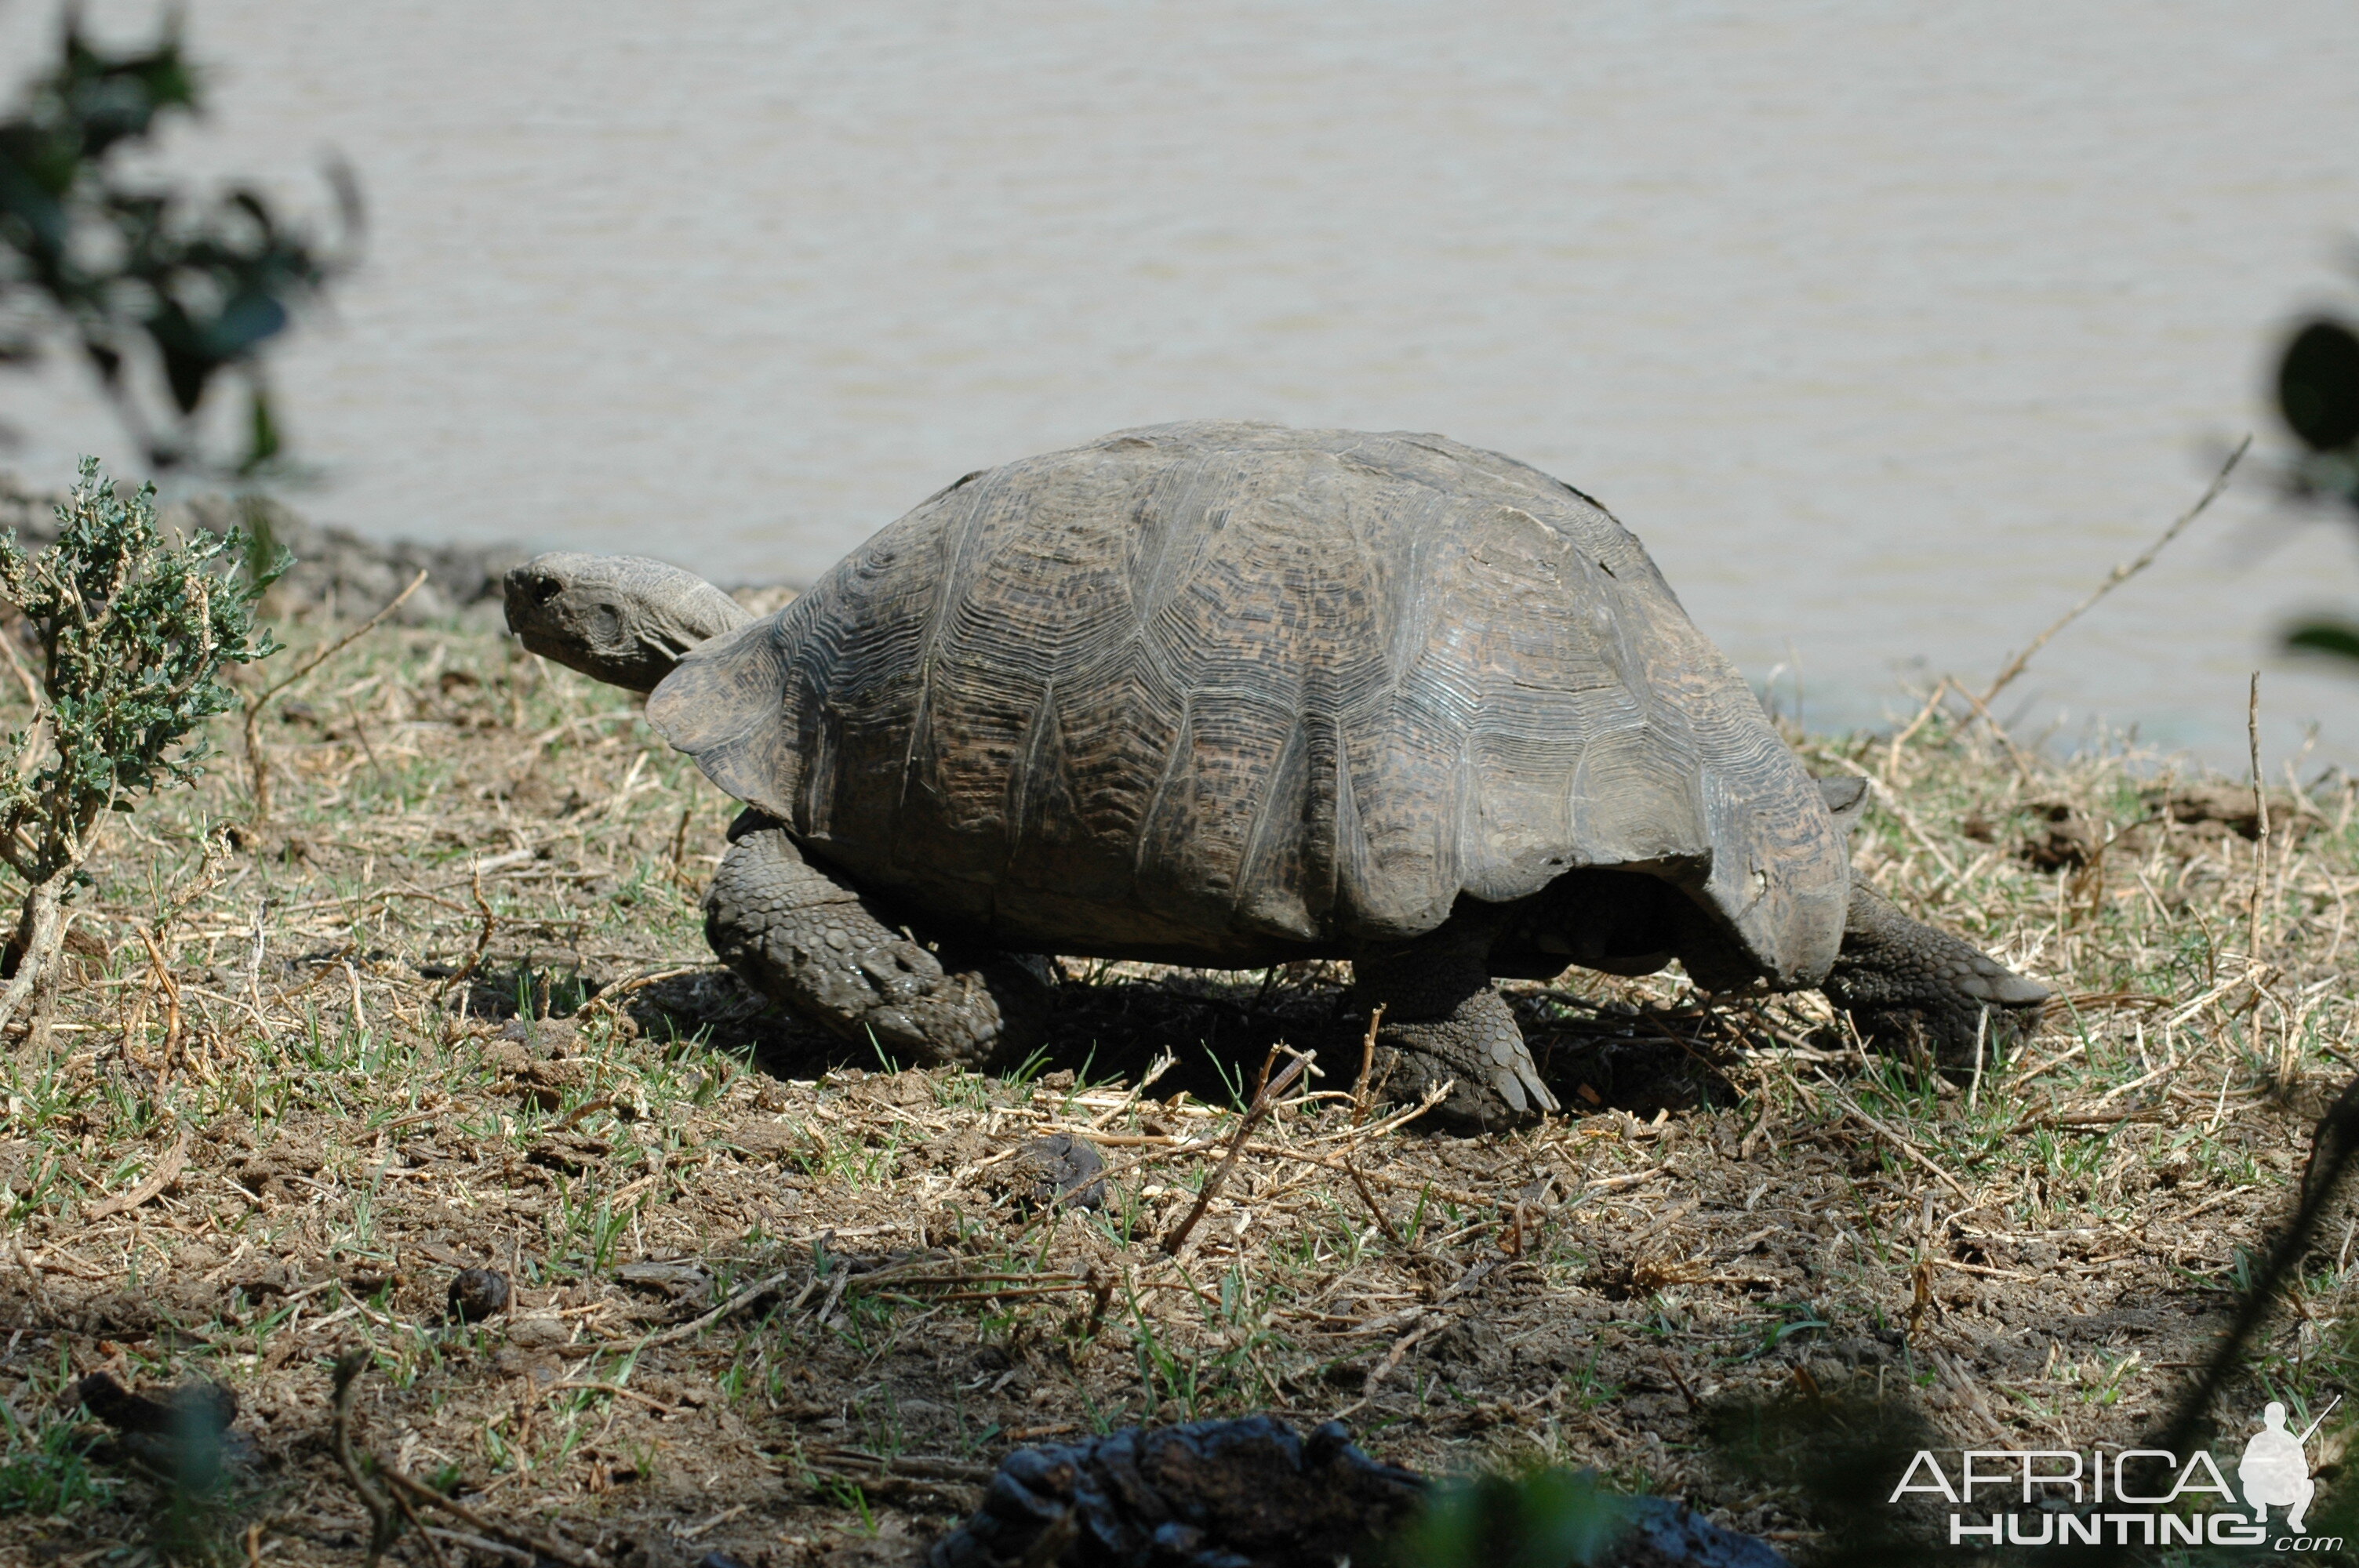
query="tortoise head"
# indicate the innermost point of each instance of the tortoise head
(623, 619)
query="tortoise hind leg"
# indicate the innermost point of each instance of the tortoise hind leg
(803, 938)
(1444, 1019)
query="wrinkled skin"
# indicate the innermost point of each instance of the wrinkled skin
(809, 939)
(802, 937)
(1905, 982)
(623, 620)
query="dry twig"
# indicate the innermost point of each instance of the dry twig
(1908, 731)
(482, 936)
(160, 1177)
(2119, 575)
(2261, 825)
(1383, 1223)
(383, 1524)
(1268, 1096)
(737, 1303)
(418, 1491)
(1360, 1097)
(1909, 1151)
(257, 766)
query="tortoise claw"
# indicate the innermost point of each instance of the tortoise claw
(1445, 1021)
(804, 939)
(1906, 984)
(1477, 1049)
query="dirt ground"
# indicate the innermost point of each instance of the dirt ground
(451, 1008)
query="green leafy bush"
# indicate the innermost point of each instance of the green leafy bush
(127, 636)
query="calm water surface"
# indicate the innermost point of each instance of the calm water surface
(1888, 328)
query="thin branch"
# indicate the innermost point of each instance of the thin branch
(1267, 1096)
(166, 1170)
(28, 758)
(201, 667)
(418, 1491)
(382, 1510)
(1369, 1199)
(25, 677)
(696, 1325)
(257, 768)
(2123, 573)
(349, 638)
(383, 1525)
(2015, 753)
(1361, 1099)
(2261, 828)
(1906, 1149)
(433, 1547)
(483, 937)
(1924, 717)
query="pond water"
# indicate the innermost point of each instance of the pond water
(1888, 328)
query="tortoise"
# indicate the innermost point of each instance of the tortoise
(1231, 695)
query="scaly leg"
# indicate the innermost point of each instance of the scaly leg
(1904, 982)
(802, 938)
(1444, 1019)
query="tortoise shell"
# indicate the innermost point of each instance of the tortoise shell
(1229, 694)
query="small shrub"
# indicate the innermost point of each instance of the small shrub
(128, 636)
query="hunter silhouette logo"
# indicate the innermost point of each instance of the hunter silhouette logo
(2063, 1497)
(2275, 1470)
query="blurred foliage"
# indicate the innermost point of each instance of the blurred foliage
(1555, 1517)
(44, 1464)
(159, 291)
(1840, 1458)
(1549, 1518)
(2317, 396)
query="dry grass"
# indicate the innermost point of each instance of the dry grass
(454, 1008)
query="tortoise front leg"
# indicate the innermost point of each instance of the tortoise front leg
(1444, 1019)
(1905, 983)
(803, 938)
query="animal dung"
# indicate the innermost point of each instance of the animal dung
(1058, 1169)
(478, 1294)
